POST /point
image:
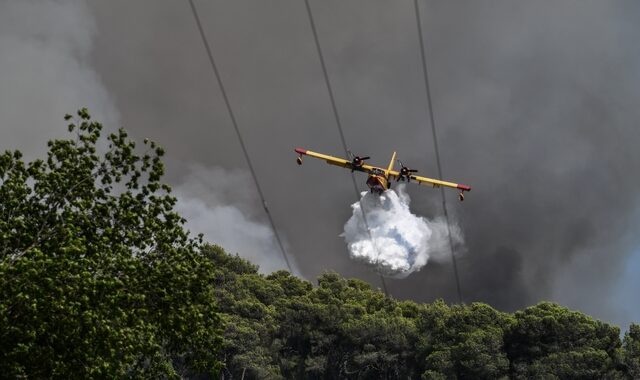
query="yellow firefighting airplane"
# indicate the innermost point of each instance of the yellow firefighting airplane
(380, 179)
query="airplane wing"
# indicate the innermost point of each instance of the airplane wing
(390, 174)
(431, 181)
(337, 161)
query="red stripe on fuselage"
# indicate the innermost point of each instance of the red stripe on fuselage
(301, 151)
(464, 187)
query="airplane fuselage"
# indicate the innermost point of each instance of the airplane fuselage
(377, 183)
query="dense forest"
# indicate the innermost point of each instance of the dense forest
(99, 279)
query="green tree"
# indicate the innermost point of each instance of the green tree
(548, 341)
(343, 329)
(279, 326)
(246, 302)
(463, 342)
(631, 345)
(98, 278)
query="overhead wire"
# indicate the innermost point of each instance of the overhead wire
(340, 130)
(238, 134)
(435, 146)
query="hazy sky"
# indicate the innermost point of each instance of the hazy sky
(536, 105)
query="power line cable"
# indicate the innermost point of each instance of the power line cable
(341, 131)
(435, 145)
(238, 134)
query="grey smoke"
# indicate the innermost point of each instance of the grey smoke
(44, 73)
(216, 203)
(536, 105)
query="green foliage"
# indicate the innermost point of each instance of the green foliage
(464, 342)
(244, 298)
(344, 329)
(281, 327)
(550, 341)
(631, 344)
(97, 276)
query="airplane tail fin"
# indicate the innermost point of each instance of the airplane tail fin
(390, 168)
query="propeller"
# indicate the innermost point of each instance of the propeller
(357, 161)
(405, 172)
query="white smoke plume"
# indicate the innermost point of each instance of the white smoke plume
(398, 242)
(46, 72)
(221, 204)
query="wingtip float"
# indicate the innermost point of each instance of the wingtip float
(380, 179)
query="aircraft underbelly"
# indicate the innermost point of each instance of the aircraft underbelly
(375, 183)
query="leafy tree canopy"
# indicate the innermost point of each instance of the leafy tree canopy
(98, 278)
(282, 327)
